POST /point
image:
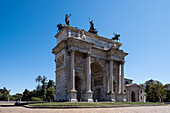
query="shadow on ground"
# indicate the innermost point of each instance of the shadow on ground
(8, 106)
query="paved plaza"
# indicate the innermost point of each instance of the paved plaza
(142, 109)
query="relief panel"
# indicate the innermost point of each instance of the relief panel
(79, 58)
(78, 62)
(60, 61)
(116, 68)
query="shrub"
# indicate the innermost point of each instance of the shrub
(36, 99)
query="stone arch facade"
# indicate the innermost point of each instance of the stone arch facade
(78, 87)
(97, 76)
(76, 55)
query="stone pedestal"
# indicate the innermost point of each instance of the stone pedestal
(73, 96)
(120, 97)
(89, 96)
(124, 98)
(112, 97)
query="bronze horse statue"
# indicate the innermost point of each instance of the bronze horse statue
(116, 37)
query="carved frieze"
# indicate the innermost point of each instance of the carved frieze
(79, 57)
(117, 54)
(99, 52)
(79, 44)
(101, 61)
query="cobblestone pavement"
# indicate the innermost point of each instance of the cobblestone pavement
(142, 109)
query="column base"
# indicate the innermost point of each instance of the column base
(120, 97)
(88, 96)
(73, 100)
(112, 97)
(73, 96)
(124, 98)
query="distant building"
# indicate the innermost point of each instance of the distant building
(134, 92)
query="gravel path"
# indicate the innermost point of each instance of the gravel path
(142, 109)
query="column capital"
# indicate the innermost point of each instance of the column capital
(123, 62)
(110, 59)
(71, 50)
(89, 54)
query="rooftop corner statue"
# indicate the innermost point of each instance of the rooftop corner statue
(90, 67)
(67, 20)
(60, 26)
(116, 37)
(92, 30)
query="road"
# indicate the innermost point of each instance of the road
(142, 109)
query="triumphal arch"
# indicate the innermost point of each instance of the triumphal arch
(89, 67)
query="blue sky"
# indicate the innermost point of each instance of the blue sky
(28, 27)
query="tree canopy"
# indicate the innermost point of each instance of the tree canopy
(155, 91)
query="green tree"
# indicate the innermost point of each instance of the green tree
(43, 90)
(11, 98)
(4, 94)
(38, 79)
(17, 97)
(168, 92)
(32, 94)
(50, 84)
(157, 91)
(147, 87)
(26, 95)
(50, 94)
(39, 91)
(36, 99)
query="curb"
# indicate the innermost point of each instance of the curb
(80, 107)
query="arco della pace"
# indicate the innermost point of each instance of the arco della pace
(90, 68)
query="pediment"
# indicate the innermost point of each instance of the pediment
(133, 85)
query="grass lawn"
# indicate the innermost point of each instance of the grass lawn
(92, 103)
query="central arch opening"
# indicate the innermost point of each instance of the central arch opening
(78, 87)
(97, 74)
(133, 96)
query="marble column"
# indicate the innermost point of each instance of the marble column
(73, 92)
(89, 93)
(112, 95)
(108, 86)
(72, 71)
(122, 77)
(120, 80)
(111, 76)
(88, 72)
